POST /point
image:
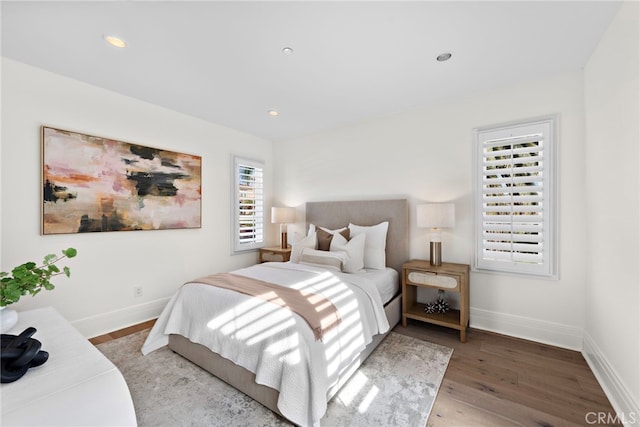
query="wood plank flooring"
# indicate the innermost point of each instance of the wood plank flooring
(495, 380)
(122, 332)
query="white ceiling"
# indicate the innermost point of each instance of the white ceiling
(223, 61)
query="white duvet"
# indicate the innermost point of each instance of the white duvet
(274, 343)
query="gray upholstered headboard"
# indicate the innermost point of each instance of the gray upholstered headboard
(368, 212)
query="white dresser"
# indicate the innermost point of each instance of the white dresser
(77, 386)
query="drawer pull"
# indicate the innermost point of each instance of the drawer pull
(445, 282)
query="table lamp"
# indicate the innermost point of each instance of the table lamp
(436, 217)
(283, 216)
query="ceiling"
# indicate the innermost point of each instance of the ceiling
(223, 61)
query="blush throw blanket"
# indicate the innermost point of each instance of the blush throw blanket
(315, 309)
(273, 342)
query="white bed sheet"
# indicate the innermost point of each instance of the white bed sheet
(386, 281)
(274, 343)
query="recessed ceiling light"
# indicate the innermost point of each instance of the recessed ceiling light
(287, 50)
(273, 113)
(443, 57)
(115, 41)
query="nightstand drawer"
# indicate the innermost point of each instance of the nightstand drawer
(433, 280)
(272, 257)
(275, 254)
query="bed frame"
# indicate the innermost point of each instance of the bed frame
(331, 215)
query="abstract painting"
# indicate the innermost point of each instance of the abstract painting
(92, 183)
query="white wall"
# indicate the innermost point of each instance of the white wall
(612, 306)
(426, 155)
(99, 296)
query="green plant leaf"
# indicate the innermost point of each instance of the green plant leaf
(20, 272)
(48, 259)
(70, 252)
(12, 294)
(67, 271)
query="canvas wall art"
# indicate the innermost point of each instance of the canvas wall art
(91, 184)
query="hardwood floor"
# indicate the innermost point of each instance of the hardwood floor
(495, 380)
(122, 332)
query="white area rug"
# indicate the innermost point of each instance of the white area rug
(396, 386)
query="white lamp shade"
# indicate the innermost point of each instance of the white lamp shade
(283, 215)
(439, 215)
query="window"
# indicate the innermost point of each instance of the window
(248, 205)
(515, 198)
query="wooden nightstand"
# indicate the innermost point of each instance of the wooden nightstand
(275, 253)
(448, 277)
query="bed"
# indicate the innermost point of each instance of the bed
(252, 346)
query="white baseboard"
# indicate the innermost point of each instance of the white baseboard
(627, 410)
(555, 334)
(108, 322)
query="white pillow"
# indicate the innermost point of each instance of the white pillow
(354, 249)
(309, 241)
(375, 244)
(312, 229)
(324, 259)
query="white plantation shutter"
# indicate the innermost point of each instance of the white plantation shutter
(248, 205)
(515, 198)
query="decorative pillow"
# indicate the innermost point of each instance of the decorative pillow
(354, 249)
(297, 247)
(324, 259)
(375, 244)
(313, 228)
(325, 235)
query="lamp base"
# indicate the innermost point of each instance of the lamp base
(283, 240)
(435, 253)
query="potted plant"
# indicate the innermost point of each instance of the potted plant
(29, 278)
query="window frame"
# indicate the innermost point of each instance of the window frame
(548, 126)
(237, 246)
